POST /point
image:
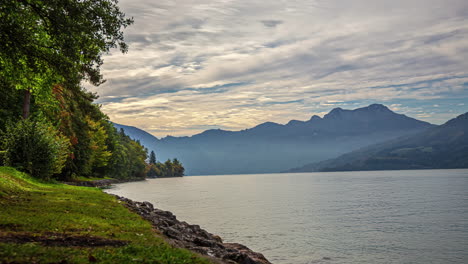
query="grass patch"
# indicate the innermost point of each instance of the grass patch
(36, 217)
(83, 178)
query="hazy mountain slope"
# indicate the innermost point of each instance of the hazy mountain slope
(146, 139)
(272, 147)
(442, 147)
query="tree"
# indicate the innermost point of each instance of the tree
(43, 43)
(99, 154)
(153, 171)
(169, 170)
(178, 168)
(152, 158)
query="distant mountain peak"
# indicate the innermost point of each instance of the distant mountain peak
(294, 122)
(461, 120)
(373, 108)
(213, 131)
(336, 110)
(334, 113)
(268, 125)
(315, 117)
(377, 107)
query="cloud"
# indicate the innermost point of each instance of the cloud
(271, 23)
(220, 64)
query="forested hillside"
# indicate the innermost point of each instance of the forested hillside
(49, 125)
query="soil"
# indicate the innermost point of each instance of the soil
(60, 240)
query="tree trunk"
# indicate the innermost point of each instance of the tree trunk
(26, 103)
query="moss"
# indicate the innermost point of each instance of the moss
(31, 207)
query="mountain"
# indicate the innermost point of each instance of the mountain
(441, 147)
(273, 147)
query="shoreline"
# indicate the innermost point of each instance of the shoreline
(101, 183)
(181, 234)
(184, 235)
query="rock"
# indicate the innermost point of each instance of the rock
(192, 237)
(172, 233)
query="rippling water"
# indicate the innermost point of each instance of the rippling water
(345, 217)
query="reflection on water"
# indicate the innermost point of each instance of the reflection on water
(342, 217)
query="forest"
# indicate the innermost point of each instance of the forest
(50, 125)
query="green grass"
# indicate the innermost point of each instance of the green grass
(36, 209)
(83, 178)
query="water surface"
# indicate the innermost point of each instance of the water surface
(336, 217)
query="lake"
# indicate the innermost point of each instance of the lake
(334, 217)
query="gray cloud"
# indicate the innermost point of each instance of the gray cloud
(271, 23)
(183, 56)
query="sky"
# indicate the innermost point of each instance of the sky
(233, 64)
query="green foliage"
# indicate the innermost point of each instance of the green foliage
(152, 158)
(45, 41)
(128, 158)
(10, 104)
(37, 209)
(167, 169)
(153, 171)
(99, 154)
(48, 48)
(35, 147)
(178, 168)
(81, 122)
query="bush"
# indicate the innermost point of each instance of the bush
(35, 147)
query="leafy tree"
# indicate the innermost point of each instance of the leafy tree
(81, 122)
(99, 154)
(43, 43)
(153, 171)
(168, 169)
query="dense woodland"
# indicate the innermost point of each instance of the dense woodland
(50, 126)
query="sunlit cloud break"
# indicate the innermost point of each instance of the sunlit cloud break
(194, 65)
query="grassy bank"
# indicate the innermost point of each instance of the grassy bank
(56, 223)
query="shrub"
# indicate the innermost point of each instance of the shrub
(35, 147)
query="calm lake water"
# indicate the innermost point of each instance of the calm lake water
(342, 217)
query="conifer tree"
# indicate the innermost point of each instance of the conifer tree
(152, 158)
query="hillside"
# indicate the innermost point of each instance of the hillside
(441, 147)
(273, 147)
(145, 138)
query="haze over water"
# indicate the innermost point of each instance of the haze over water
(337, 217)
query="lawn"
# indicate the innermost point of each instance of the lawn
(56, 223)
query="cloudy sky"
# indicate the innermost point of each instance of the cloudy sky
(232, 64)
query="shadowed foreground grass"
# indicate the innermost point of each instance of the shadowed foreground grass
(56, 223)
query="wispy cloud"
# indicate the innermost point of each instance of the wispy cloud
(234, 64)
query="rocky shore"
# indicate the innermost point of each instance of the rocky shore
(192, 237)
(100, 183)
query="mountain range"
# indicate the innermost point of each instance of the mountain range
(273, 147)
(440, 147)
